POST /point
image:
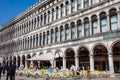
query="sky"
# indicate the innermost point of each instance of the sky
(9, 9)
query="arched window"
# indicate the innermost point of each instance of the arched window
(67, 8)
(32, 24)
(56, 34)
(48, 16)
(113, 19)
(48, 37)
(45, 18)
(61, 34)
(62, 10)
(38, 21)
(53, 14)
(33, 40)
(67, 30)
(79, 26)
(35, 23)
(52, 36)
(103, 22)
(40, 39)
(86, 3)
(37, 40)
(41, 20)
(79, 4)
(94, 24)
(87, 27)
(28, 42)
(44, 38)
(73, 5)
(73, 30)
(57, 12)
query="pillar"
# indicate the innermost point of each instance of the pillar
(111, 65)
(108, 23)
(91, 62)
(64, 62)
(90, 22)
(98, 23)
(118, 20)
(76, 61)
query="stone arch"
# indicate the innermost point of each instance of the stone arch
(23, 60)
(101, 57)
(83, 54)
(28, 56)
(116, 55)
(18, 60)
(70, 57)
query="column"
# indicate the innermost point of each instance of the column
(26, 63)
(76, 6)
(108, 22)
(35, 41)
(70, 37)
(46, 17)
(58, 34)
(54, 63)
(90, 2)
(46, 38)
(83, 31)
(82, 5)
(39, 64)
(90, 22)
(111, 65)
(76, 30)
(76, 61)
(54, 14)
(98, 23)
(91, 62)
(64, 5)
(70, 7)
(16, 61)
(64, 62)
(118, 19)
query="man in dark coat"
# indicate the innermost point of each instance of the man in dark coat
(0, 70)
(9, 71)
(13, 71)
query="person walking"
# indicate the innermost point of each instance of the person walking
(13, 71)
(9, 71)
(4, 68)
(0, 70)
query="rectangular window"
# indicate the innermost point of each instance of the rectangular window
(86, 3)
(114, 22)
(79, 31)
(104, 25)
(87, 29)
(79, 5)
(95, 27)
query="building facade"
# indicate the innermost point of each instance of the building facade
(85, 33)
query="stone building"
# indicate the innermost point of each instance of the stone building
(85, 33)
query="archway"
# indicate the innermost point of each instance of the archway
(18, 61)
(70, 59)
(14, 60)
(23, 60)
(28, 62)
(58, 59)
(84, 62)
(116, 56)
(101, 58)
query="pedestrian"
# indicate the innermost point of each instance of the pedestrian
(3, 67)
(13, 71)
(0, 70)
(9, 71)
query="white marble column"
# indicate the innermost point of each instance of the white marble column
(26, 63)
(108, 22)
(111, 65)
(76, 33)
(83, 30)
(64, 62)
(91, 62)
(90, 22)
(98, 24)
(70, 10)
(76, 61)
(82, 4)
(118, 20)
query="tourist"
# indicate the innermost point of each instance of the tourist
(3, 67)
(9, 71)
(78, 70)
(13, 71)
(0, 70)
(72, 67)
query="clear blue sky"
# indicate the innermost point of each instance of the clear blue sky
(11, 8)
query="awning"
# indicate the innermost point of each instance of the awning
(42, 57)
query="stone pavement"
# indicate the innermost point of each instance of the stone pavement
(32, 78)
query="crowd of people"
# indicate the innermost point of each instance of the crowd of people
(9, 70)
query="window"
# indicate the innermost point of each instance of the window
(73, 5)
(28, 42)
(86, 3)
(53, 12)
(40, 40)
(73, 30)
(67, 8)
(67, 32)
(48, 38)
(41, 20)
(44, 18)
(56, 35)
(61, 34)
(79, 30)
(62, 10)
(38, 21)
(32, 24)
(114, 22)
(52, 37)
(87, 29)
(104, 25)
(44, 39)
(36, 40)
(48, 16)
(95, 27)
(57, 12)
(35, 23)
(33, 41)
(79, 5)
(94, 1)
